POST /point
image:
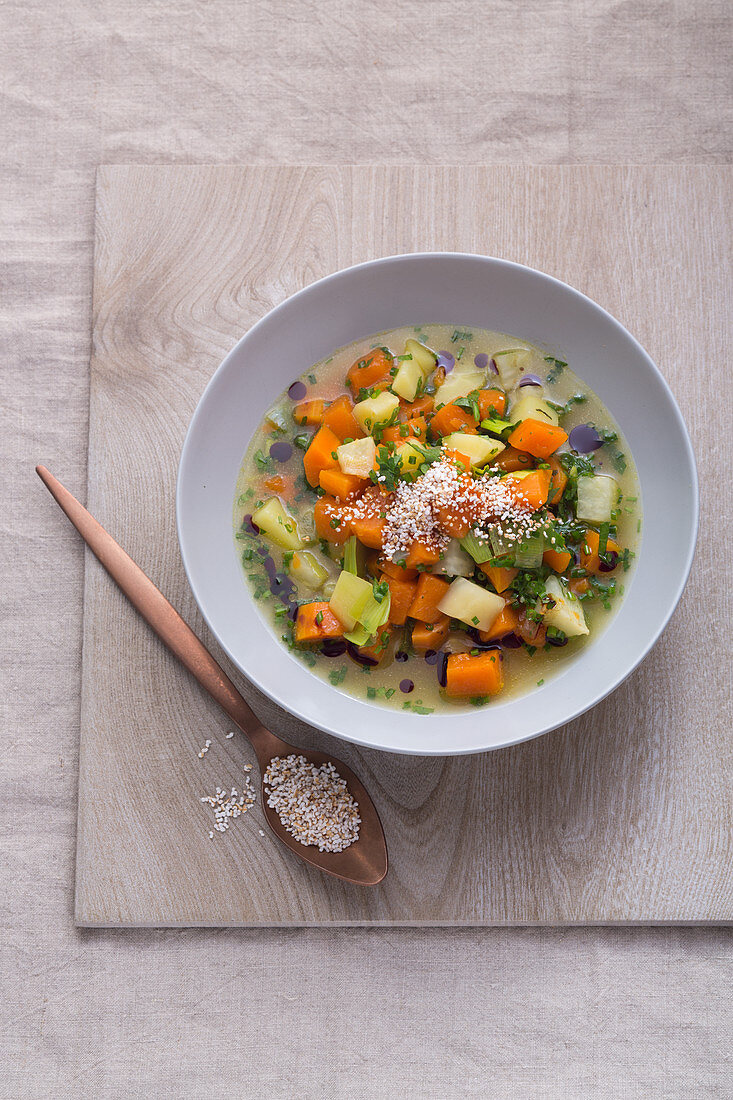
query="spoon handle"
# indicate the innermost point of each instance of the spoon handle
(162, 617)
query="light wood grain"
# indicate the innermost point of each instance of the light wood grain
(622, 816)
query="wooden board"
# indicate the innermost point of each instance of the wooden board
(622, 816)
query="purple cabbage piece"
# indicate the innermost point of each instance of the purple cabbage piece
(297, 391)
(584, 439)
(446, 360)
(406, 686)
(481, 360)
(531, 380)
(493, 367)
(360, 658)
(281, 451)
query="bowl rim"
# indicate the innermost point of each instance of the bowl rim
(505, 742)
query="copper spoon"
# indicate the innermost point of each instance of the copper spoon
(365, 862)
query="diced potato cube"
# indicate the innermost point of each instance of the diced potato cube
(567, 614)
(305, 568)
(274, 521)
(349, 598)
(459, 384)
(597, 498)
(472, 604)
(511, 364)
(530, 405)
(357, 457)
(408, 380)
(377, 411)
(411, 456)
(479, 448)
(425, 358)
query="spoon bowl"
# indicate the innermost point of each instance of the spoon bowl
(363, 863)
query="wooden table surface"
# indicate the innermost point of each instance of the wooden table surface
(622, 816)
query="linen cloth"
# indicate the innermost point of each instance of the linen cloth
(428, 1013)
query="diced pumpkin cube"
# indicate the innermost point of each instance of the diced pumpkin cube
(402, 594)
(321, 454)
(558, 560)
(330, 521)
(430, 635)
(468, 676)
(339, 417)
(505, 623)
(315, 622)
(340, 485)
(537, 438)
(501, 576)
(428, 594)
(372, 367)
(452, 418)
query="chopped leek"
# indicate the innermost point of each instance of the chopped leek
(479, 551)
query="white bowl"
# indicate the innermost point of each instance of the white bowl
(469, 291)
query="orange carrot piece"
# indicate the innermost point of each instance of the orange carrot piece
(420, 554)
(321, 454)
(558, 481)
(467, 676)
(394, 569)
(558, 560)
(452, 522)
(339, 417)
(579, 585)
(409, 410)
(532, 489)
(417, 428)
(501, 576)
(507, 623)
(430, 635)
(314, 622)
(589, 559)
(512, 460)
(330, 522)
(370, 368)
(537, 438)
(341, 485)
(430, 591)
(275, 484)
(491, 403)
(402, 594)
(370, 530)
(452, 418)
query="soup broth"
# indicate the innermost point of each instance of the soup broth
(551, 575)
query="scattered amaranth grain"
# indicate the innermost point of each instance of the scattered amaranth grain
(313, 803)
(227, 807)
